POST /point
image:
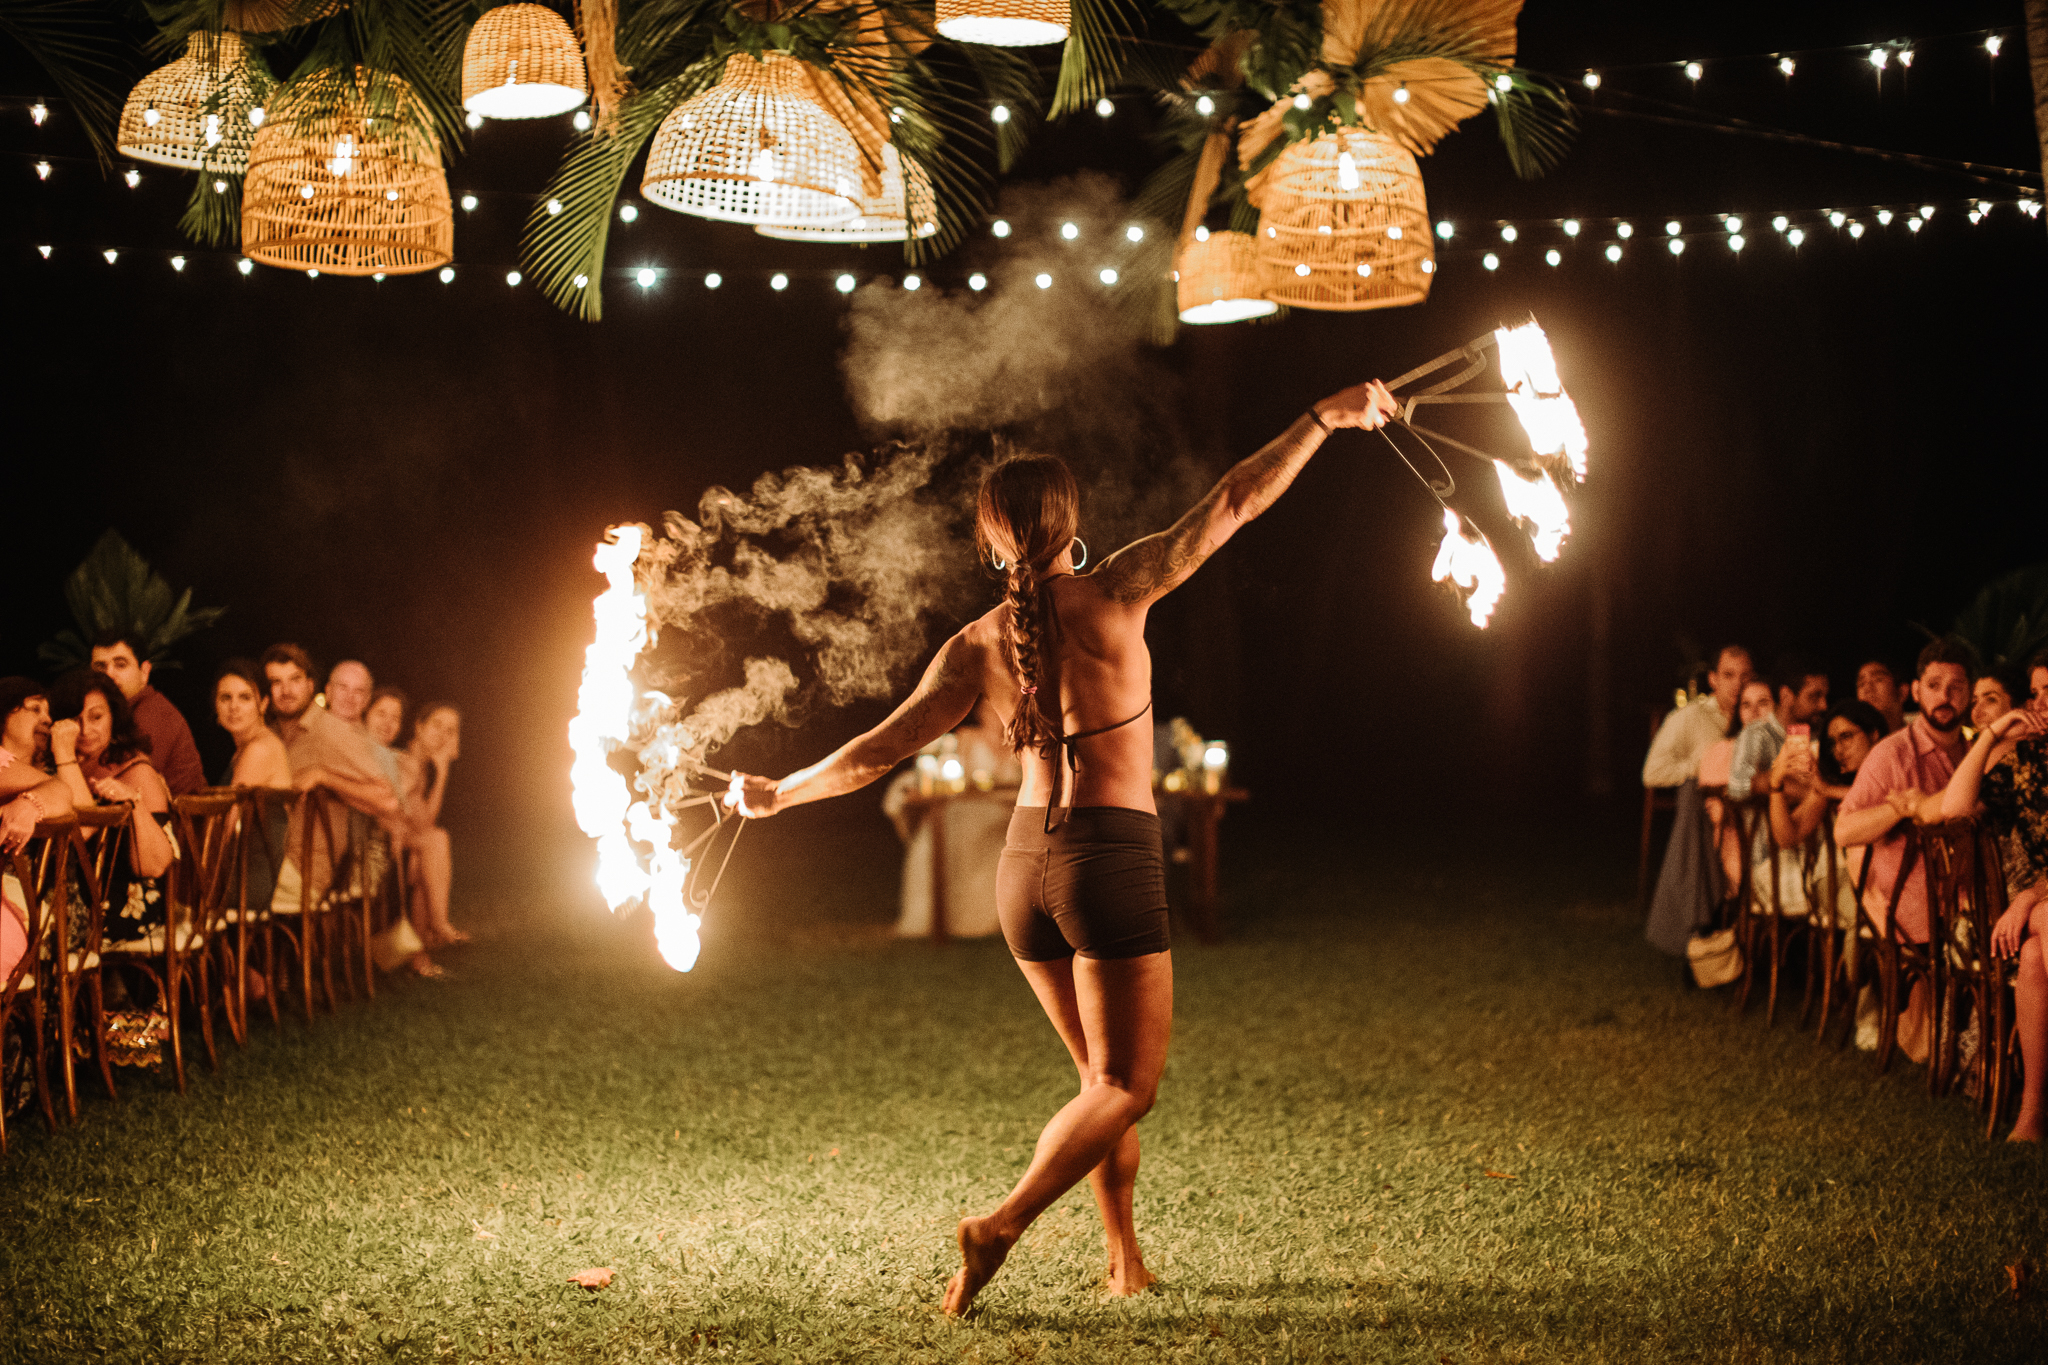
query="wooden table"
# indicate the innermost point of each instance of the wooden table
(1202, 812)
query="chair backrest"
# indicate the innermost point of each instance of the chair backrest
(31, 885)
(253, 846)
(206, 830)
(99, 840)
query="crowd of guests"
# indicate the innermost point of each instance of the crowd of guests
(1949, 742)
(104, 736)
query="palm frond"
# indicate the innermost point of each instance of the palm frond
(213, 217)
(1008, 78)
(80, 52)
(1093, 57)
(1536, 122)
(115, 588)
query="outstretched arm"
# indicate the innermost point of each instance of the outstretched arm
(942, 700)
(1146, 570)
(1959, 798)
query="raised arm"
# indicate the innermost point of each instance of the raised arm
(942, 700)
(1959, 798)
(1146, 570)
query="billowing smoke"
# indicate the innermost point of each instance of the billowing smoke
(839, 578)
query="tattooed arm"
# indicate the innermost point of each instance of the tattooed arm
(942, 700)
(1146, 570)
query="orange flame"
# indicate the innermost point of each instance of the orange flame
(1468, 563)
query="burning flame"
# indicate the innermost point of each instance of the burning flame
(604, 804)
(1537, 395)
(1467, 561)
(1538, 507)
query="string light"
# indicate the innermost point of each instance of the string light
(256, 116)
(1624, 230)
(474, 120)
(512, 277)
(1693, 72)
(1443, 229)
(220, 187)
(312, 274)
(778, 283)
(1301, 101)
(554, 207)
(42, 170)
(1672, 228)
(1837, 218)
(1571, 227)
(1507, 234)
(913, 282)
(1108, 276)
(581, 281)
(1915, 224)
(1591, 80)
(447, 274)
(245, 265)
(1042, 280)
(1795, 236)
(132, 176)
(581, 121)
(1401, 93)
(38, 113)
(1134, 233)
(713, 280)
(645, 278)
(1069, 231)
(1553, 257)
(46, 252)
(2030, 207)
(1001, 227)
(1202, 234)
(977, 282)
(1676, 246)
(1732, 223)
(1613, 252)
(1884, 217)
(1927, 210)
(378, 278)
(844, 284)
(1735, 242)
(1104, 107)
(1504, 82)
(999, 114)
(628, 212)
(469, 203)
(1786, 66)
(1490, 261)
(1906, 57)
(1993, 44)
(178, 264)
(1879, 58)
(111, 255)
(1205, 106)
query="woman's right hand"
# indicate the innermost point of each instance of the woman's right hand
(2016, 724)
(64, 741)
(757, 798)
(2010, 930)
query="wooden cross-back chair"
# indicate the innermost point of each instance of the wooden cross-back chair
(97, 838)
(329, 924)
(1898, 960)
(34, 883)
(1969, 878)
(254, 862)
(174, 956)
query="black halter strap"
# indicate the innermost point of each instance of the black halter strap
(1066, 767)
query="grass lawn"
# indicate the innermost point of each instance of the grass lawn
(1418, 1109)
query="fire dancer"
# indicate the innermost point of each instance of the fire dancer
(1081, 888)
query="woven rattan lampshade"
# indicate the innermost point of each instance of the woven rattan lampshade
(1343, 225)
(1005, 23)
(886, 217)
(1217, 280)
(521, 61)
(345, 176)
(756, 148)
(274, 16)
(194, 112)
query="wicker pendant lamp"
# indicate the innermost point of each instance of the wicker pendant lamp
(1005, 23)
(756, 148)
(1343, 225)
(885, 217)
(199, 112)
(275, 16)
(345, 176)
(1217, 279)
(521, 61)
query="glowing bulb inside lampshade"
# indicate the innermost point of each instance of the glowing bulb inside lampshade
(1347, 171)
(1004, 23)
(1467, 562)
(305, 191)
(256, 116)
(1205, 106)
(151, 117)
(1400, 94)
(763, 166)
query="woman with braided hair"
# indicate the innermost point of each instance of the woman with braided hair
(1081, 890)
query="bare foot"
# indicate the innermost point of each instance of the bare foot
(982, 1253)
(1129, 1279)
(422, 965)
(2028, 1129)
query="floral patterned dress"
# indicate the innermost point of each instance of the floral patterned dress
(137, 906)
(2015, 796)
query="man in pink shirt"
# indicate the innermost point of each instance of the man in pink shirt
(1901, 782)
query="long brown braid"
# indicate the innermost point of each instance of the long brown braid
(1028, 512)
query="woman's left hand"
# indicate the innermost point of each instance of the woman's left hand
(754, 797)
(113, 792)
(2010, 929)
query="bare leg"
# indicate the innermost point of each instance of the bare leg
(2030, 1008)
(436, 875)
(1125, 1007)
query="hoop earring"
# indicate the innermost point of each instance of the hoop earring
(1083, 560)
(998, 565)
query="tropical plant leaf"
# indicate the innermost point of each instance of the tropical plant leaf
(1093, 56)
(213, 217)
(2007, 621)
(76, 46)
(114, 588)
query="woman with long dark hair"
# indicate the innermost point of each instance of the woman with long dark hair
(1081, 889)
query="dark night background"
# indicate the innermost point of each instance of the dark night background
(1814, 449)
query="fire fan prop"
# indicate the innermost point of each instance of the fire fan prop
(614, 713)
(1532, 486)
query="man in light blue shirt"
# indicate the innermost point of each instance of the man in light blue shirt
(1801, 687)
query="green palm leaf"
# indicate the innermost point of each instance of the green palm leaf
(80, 52)
(114, 588)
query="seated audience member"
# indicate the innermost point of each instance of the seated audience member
(260, 761)
(385, 718)
(1687, 880)
(1852, 730)
(436, 744)
(1879, 686)
(1715, 766)
(325, 752)
(1990, 697)
(102, 755)
(28, 793)
(2037, 681)
(25, 706)
(1802, 781)
(348, 689)
(171, 750)
(1800, 693)
(1902, 781)
(1687, 733)
(2005, 778)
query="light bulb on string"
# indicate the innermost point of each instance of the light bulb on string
(1401, 93)
(474, 120)
(111, 255)
(844, 284)
(977, 282)
(1201, 234)
(645, 278)
(1042, 280)
(1927, 210)
(1490, 261)
(256, 116)
(39, 113)
(512, 277)
(447, 274)
(1069, 231)
(1780, 222)
(1553, 257)
(1104, 107)
(1613, 252)
(1879, 58)
(1693, 72)
(45, 252)
(1836, 218)
(1672, 228)
(1884, 217)
(1591, 80)
(133, 177)
(1444, 229)
(151, 117)
(1571, 227)
(581, 281)
(999, 114)
(312, 274)
(1301, 268)
(1732, 223)
(913, 283)
(554, 208)
(1107, 276)
(1786, 66)
(245, 265)
(1302, 101)
(713, 280)
(628, 212)
(42, 170)
(1676, 246)
(178, 264)
(1134, 233)
(1394, 232)
(1735, 241)
(1205, 106)
(1347, 171)
(1503, 82)
(469, 203)
(1906, 57)
(581, 121)
(1508, 233)
(1624, 230)
(1993, 44)
(378, 278)
(778, 282)
(1915, 224)
(1795, 237)
(1000, 228)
